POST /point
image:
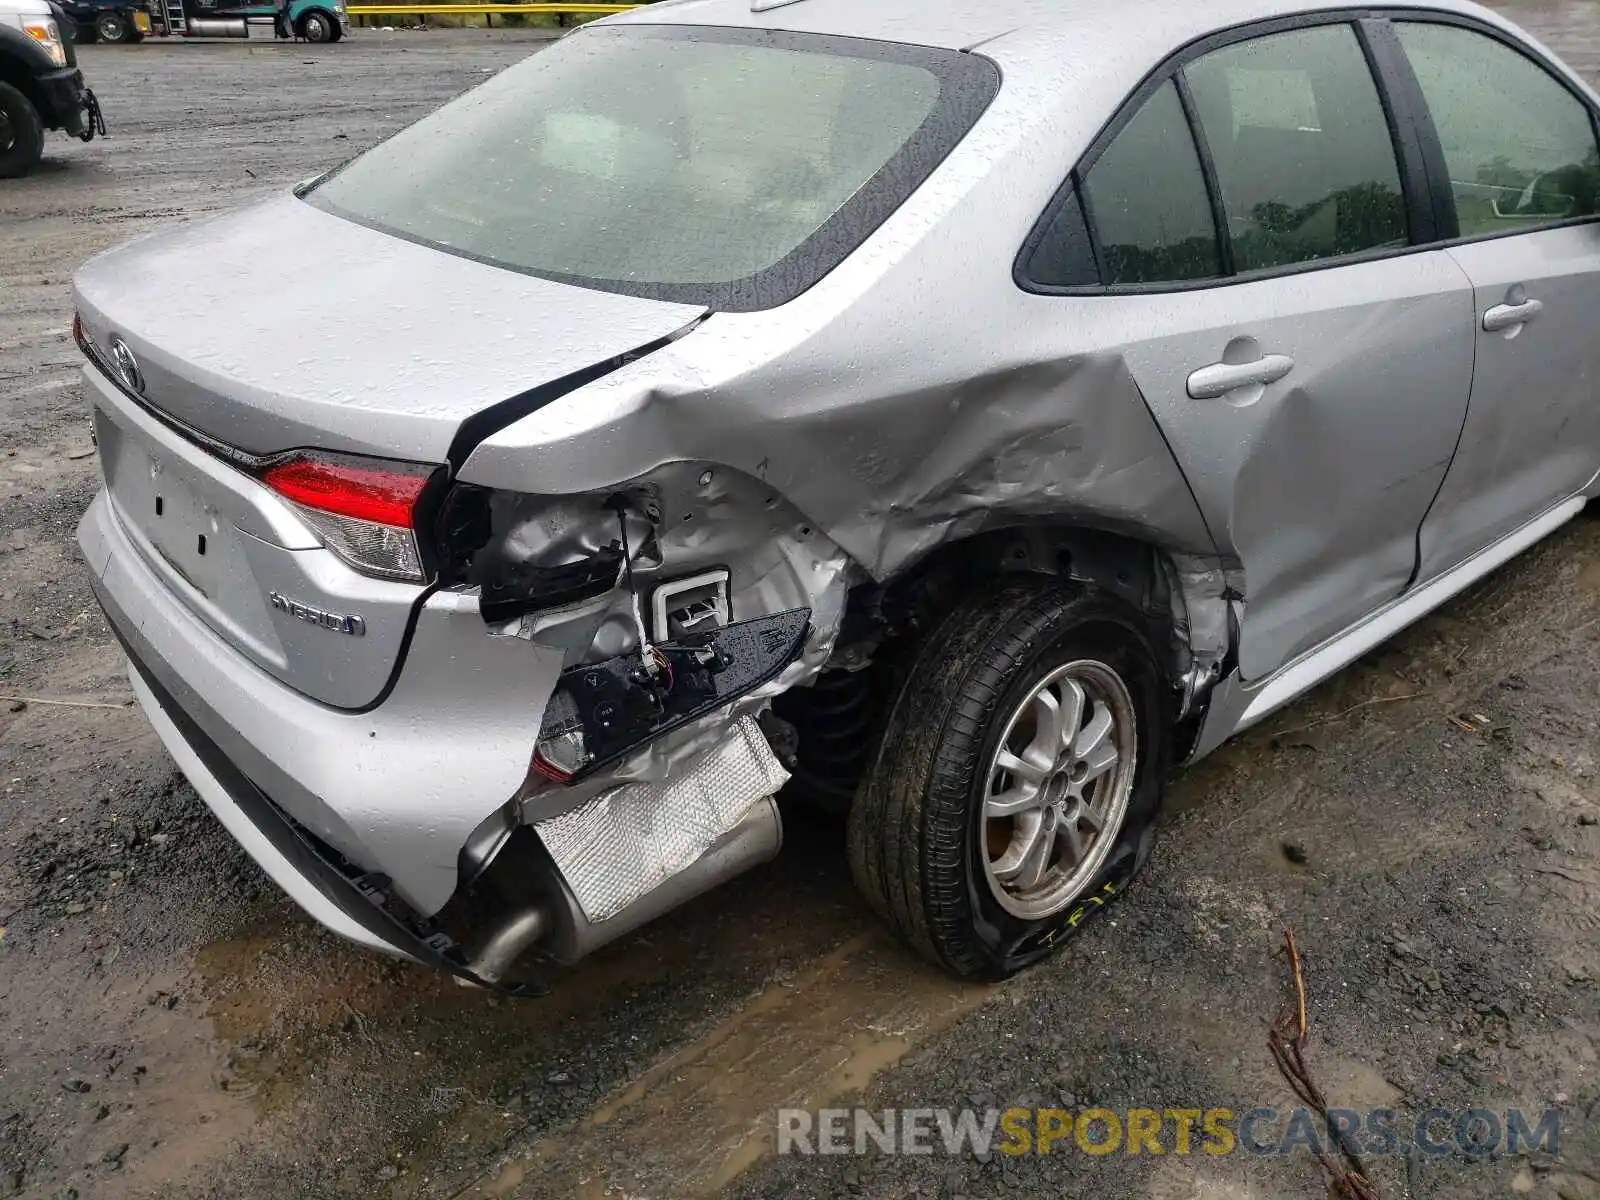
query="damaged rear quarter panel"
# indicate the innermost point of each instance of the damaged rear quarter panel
(912, 397)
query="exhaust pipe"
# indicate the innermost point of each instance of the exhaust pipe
(628, 855)
(494, 957)
(568, 935)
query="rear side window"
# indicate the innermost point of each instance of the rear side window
(1147, 198)
(1064, 255)
(730, 168)
(1518, 146)
(1302, 151)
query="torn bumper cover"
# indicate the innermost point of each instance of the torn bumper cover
(363, 783)
(365, 825)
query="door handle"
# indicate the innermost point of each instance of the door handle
(1221, 378)
(1506, 316)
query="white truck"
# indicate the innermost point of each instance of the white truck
(40, 86)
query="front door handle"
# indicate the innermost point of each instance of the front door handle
(1507, 316)
(1221, 378)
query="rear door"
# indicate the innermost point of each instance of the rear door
(1518, 147)
(1309, 369)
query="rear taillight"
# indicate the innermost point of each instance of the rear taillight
(365, 509)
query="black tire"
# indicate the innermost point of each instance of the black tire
(914, 827)
(21, 134)
(338, 33)
(113, 28)
(317, 27)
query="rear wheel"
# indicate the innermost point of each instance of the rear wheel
(1018, 776)
(316, 27)
(113, 27)
(21, 134)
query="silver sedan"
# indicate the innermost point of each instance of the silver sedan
(956, 413)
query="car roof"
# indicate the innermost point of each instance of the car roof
(965, 24)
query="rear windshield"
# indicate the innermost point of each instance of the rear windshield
(729, 168)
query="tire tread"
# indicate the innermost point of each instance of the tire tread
(906, 827)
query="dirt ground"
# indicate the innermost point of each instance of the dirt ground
(171, 1026)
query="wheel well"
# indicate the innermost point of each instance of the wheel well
(838, 717)
(1135, 571)
(21, 78)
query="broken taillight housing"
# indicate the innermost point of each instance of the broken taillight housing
(365, 509)
(560, 752)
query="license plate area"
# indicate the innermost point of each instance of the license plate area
(161, 500)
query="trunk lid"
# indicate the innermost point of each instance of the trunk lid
(283, 327)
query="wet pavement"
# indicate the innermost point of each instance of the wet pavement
(171, 1026)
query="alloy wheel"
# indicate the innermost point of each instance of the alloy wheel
(1057, 789)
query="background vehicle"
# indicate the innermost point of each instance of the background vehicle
(108, 20)
(314, 20)
(1285, 339)
(40, 86)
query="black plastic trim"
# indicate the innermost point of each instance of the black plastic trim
(1405, 94)
(1090, 225)
(1417, 181)
(1208, 170)
(65, 101)
(604, 695)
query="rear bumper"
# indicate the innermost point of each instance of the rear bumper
(312, 881)
(395, 791)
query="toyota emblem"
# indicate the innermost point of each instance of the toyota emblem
(127, 366)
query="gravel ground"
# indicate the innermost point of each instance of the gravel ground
(171, 1026)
